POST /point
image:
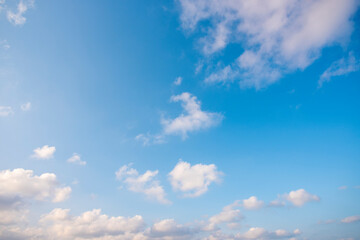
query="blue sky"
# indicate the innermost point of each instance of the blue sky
(179, 119)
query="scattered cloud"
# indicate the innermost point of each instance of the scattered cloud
(149, 139)
(178, 81)
(5, 111)
(4, 43)
(17, 18)
(256, 233)
(261, 233)
(340, 67)
(90, 225)
(169, 229)
(142, 183)
(194, 180)
(279, 37)
(194, 118)
(95, 225)
(342, 187)
(26, 106)
(45, 152)
(76, 159)
(229, 215)
(351, 219)
(299, 197)
(252, 203)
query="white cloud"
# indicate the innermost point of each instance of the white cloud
(90, 225)
(228, 215)
(45, 152)
(261, 233)
(351, 219)
(76, 159)
(4, 43)
(278, 36)
(22, 184)
(193, 180)
(94, 225)
(194, 118)
(142, 183)
(340, 67)
(26, 106)
(252, 203)
(169, 229)
(299, 197)
(17, 18)
(5, 111)
(178, 81)
(19, 186)
(149, 139)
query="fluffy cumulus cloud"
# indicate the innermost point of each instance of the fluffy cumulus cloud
(76, 159)
(19, 186)
(340, 67)
(252, 203)
(142, 183)
(94, 225)
(5, 111)
(17, 17)
(351, 219)
(229, 215)
(296, 198)
(299, 197)
(277, 36)
(170, 229)
(261, 233)
(193, 180)
(90, 225)
(23, 184)
(44, 152)
(192, 119)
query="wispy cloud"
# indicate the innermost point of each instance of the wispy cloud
(142, 183)
(351, 219)
(26, 106)
(17, 18)
(178, 81)
(5, 111)
(340, 67)
(193, 118)
(279, 37)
